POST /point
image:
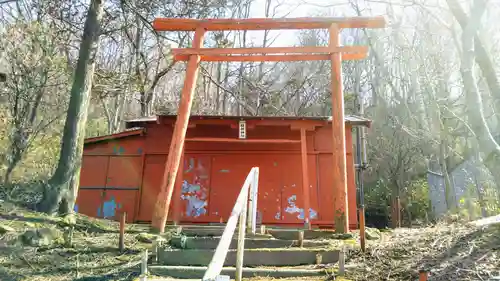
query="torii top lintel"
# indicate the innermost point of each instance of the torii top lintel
(176, 24)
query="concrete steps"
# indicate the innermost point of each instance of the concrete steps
(252, 257)
(283, 234)
(204, 243)
(197, 272)
(193, 247)
(215, 232)
(287, 234)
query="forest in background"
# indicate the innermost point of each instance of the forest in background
(430, 85)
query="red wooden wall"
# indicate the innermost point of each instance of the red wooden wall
(123, 173)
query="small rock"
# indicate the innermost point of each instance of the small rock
(5, 228)
(30, 237)
(68, 236)
(68, 220)
(144, 238)
(50, 232)
(342, 236)
(40, 237)
(148, 237)
(372, 233)
(30, 224)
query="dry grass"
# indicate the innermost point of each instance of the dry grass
(453, 251)
(457, 251)
(94, 255)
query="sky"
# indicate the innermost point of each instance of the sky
(300, 8)
(294, 9)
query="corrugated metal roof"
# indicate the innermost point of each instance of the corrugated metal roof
(355, 120)
(136, 129)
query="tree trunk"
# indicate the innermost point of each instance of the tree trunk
(8, 173)
(449, 189)
(479, 191)
(15, 157)
(489, 147)
(394, 203)
(61, 190)
(481, 55)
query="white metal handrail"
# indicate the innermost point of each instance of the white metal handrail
(239, 210)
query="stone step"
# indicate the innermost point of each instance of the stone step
(252, 257)
(197, 272)
(211, 232)
(201, 226)
(289, 234)
(250, 243)
(169, 279)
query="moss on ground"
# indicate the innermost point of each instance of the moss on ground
(94, 253)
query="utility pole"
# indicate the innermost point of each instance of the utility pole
(362, 162)
(361, 159)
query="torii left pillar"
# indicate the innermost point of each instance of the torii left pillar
(178, 138)
(340, 206)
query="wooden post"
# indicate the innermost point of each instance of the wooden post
(398, 211)
(177, 143)
(178, 230)
(342, 262)
(255, 200)
(301, 239)
(305, 177)
(144, 265)
(248, 221)
(319, 258)
(362, 229)
(68, 236)
(238, 276)
(154, 251)
(121, 241)
(423, 275)
(338, 130)
(178, 191)
(252, 203)
(394, 219)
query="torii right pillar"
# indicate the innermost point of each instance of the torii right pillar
(341, 215)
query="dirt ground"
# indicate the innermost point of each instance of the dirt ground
(450, 251)
(94, 254)
(453, 251)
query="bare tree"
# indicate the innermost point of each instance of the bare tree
(474, 103)
(37, 76)
(61, 190)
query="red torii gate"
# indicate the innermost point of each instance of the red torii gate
(197, 53)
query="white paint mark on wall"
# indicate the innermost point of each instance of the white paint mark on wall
(196, 199)
(278, 215)
(293, 209)
(190, 165)
(312, 214)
